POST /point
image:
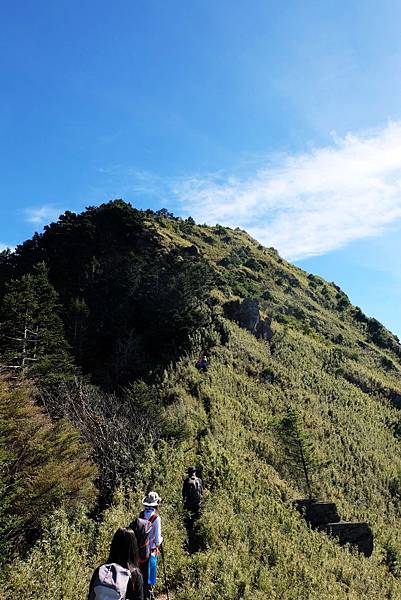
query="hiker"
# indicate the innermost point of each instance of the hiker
(150, 514)
(120, 576)
(142, 529)
(201, 363)
(192, 491)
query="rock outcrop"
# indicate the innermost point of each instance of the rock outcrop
(264, 329)
(324, 517)
(317, 514)
(357, 534)
(190, 250)
(249, 315)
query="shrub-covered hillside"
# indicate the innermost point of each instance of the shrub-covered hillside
(135, 296)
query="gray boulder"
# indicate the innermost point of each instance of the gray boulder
(359, 535)
(264, 329)
(317, 514)
(324, 517)
(249, 315)
(190, 250)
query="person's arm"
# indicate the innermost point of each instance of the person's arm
(184, 488)
(157, 533)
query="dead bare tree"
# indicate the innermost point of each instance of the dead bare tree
(120, 430)
(25, 344)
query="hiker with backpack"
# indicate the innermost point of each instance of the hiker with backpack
(119, 578)
(201, 363)
(142, 528)
(192, 492)
(148, 565)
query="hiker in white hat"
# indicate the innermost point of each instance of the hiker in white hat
(152, 499)
(151, 503)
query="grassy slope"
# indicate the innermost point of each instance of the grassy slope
(254, 544)
(252, 533)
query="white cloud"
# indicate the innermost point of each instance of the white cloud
(39, 215)
(5, 246)
(308, 204)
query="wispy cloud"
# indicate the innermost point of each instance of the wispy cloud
(120, 181)
(5, 246)
(145, 183)
(38, 215)
(311, 203)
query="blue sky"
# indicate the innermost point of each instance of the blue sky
(280, 117)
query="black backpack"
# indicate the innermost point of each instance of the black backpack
(141, 528)
(193, 494)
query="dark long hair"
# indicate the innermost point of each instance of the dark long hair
(124, 548)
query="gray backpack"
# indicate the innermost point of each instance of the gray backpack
(193, 492)
(111, 582)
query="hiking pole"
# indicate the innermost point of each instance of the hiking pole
(164, 571)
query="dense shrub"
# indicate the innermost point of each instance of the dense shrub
(42, 465)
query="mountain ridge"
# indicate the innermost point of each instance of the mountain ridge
(141, 294)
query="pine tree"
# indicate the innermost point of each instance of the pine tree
(302, 460)
(42, 466)
(32, 341)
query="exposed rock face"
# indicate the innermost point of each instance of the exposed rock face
(318, 514)
(264, 330)
(324, 516)
(248, 314)
(191, 250)
(267, 377)
(357, 534)
(395, 398)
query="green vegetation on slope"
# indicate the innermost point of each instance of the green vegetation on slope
(32, 335)
(339, 369)
(42, 465)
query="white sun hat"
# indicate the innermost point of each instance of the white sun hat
(152, 499)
